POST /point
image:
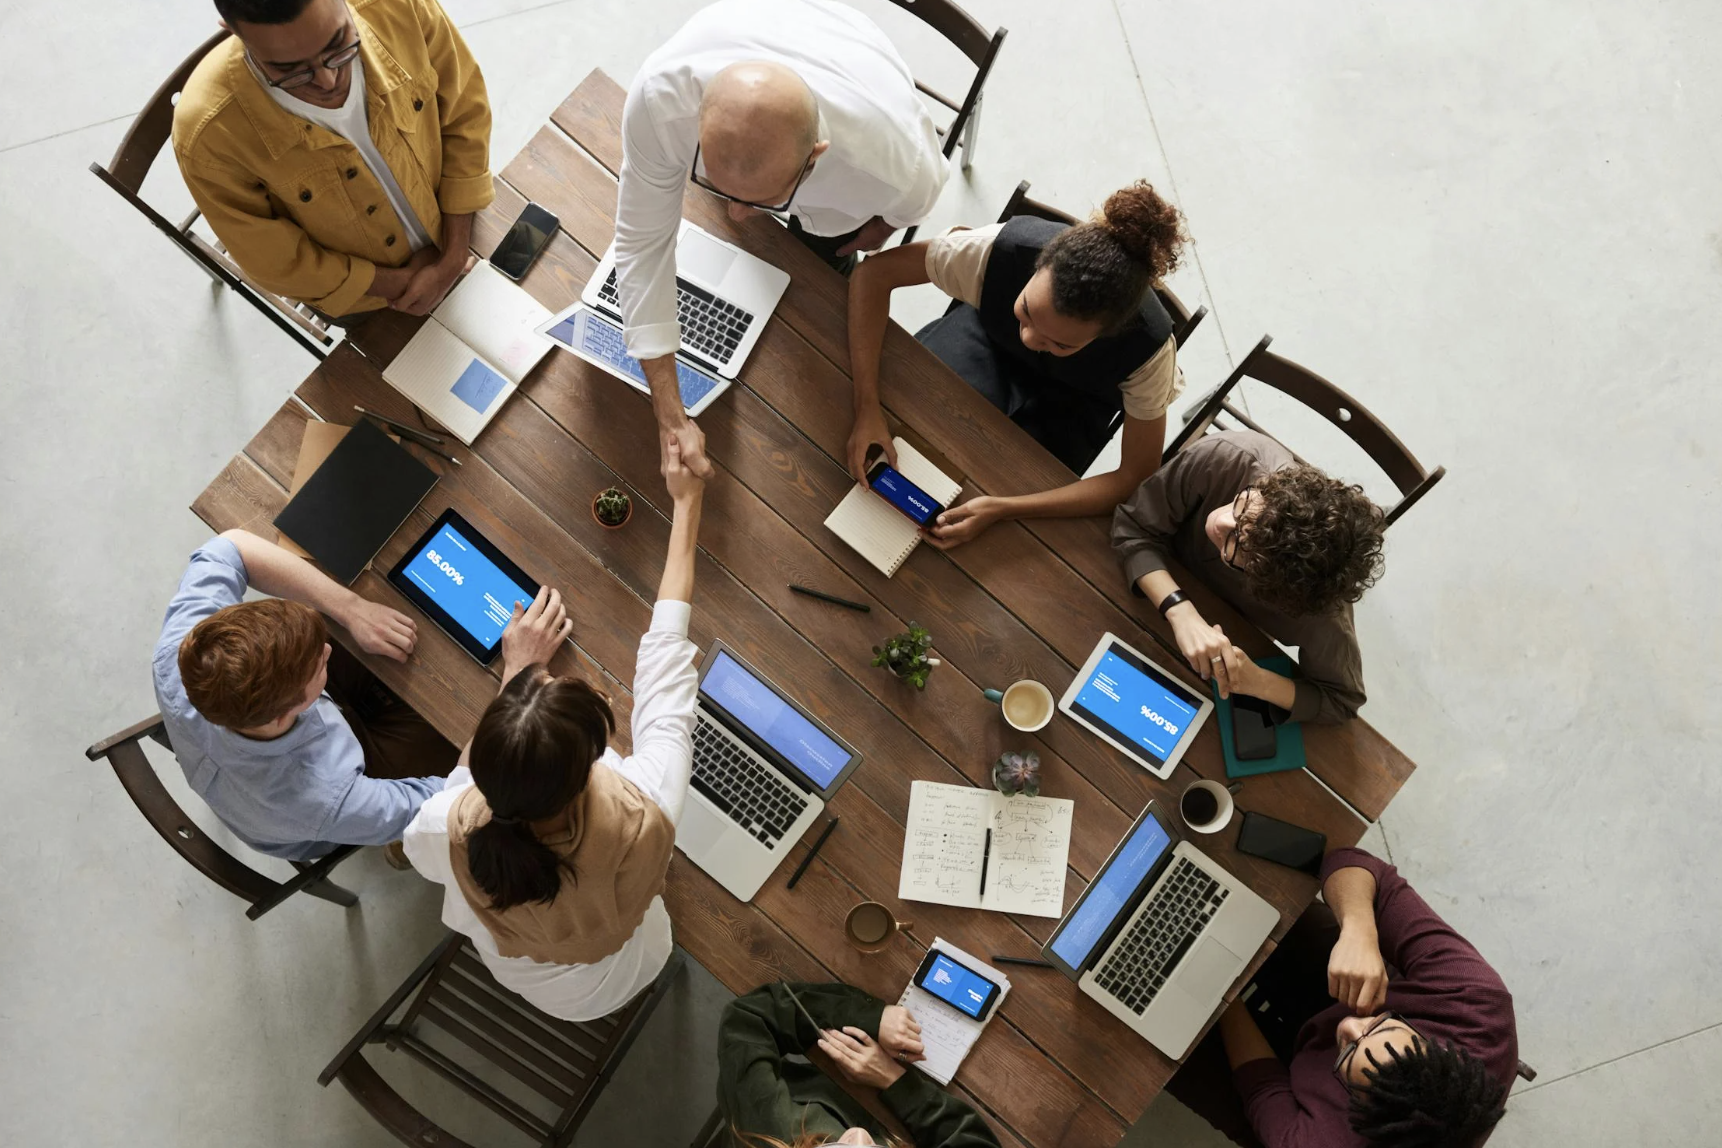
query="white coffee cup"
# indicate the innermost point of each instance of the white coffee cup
(1223, 806)
(1027, 705)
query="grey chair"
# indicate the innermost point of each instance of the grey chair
(124, 752)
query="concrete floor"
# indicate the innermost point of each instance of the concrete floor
(1495, 224)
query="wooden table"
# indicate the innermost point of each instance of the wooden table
(1025, 600)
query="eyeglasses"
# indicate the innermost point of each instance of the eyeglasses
(700, 181)
(1342, 1064)
(1230, 548)
(334, 62)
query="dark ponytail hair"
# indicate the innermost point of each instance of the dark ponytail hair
(531, 755)
(1102, 269)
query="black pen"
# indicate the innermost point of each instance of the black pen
(1024, 961)
(984, 857)
(832, 598)
(424, 437)
(808, 860)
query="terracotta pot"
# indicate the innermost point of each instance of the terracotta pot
(607, 525)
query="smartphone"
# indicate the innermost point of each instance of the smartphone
(1253, 736)
(890, 485)
(525, 242)
(957, 985)
(1283, 842)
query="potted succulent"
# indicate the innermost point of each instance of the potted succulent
(906, 655)
(1015, 773)
(612, 508)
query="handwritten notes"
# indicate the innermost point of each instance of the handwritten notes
(947, 839)
(946, 1034)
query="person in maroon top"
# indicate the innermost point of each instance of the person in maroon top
(1416, 1048)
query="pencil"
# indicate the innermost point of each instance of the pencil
(832, 598)
(415, 433)
(1039, 964)
(811, 853)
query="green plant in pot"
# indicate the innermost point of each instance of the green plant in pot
(612, 507)
(906, 655)
(1015, 773)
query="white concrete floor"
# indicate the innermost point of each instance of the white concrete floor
(1495, 224)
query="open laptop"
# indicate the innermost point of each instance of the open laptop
(763, 770)
(723, 298)
(1160, 934)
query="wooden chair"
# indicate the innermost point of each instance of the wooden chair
(564, 1062)
(125, 173)
(164, 814)
(1327, 400)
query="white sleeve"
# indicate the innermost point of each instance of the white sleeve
(648, 214)
(916, 201)
(666, 688)
(425, 839)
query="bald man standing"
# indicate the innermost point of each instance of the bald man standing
(800, 107)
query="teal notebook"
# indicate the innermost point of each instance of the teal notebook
(1288, 736)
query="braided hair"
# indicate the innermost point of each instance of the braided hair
(1436, 1096)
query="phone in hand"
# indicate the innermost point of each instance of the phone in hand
(1253, 736)
(957, 985)
(888, 483)
(1282, 842)
(526, 240)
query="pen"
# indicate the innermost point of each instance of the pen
(803, 1008)
(832, 598)
(424, 437)
(1039, 964)
(984, 857)
(808, 860)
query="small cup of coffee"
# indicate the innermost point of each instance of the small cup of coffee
(871, 925)
(1206, 807)
(1027, 705)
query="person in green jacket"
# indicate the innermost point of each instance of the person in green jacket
(769, 1101)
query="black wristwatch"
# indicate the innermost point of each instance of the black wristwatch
(1171, 600)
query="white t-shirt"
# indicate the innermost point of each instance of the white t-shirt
(351, 123)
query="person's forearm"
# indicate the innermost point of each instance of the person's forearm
(457, 238)
(275, 572)
(869, 312)
(1275, 689)
(1350, 894)
(1156, 585)
(1243, 1040)
(666, 391)
(1088, 496)
(390, 283)
(677, 583)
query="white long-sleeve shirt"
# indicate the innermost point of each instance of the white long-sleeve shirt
(666, 688)
(884, 157)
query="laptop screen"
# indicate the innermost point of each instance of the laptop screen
(774, 721)
(1112, 894)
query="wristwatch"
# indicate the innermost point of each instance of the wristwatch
(1171, 600)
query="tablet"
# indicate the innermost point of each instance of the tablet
(1136, 705)
(467, 586)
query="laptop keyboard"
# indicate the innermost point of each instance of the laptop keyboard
(710, 327)
(751, 795)
(1158, 940)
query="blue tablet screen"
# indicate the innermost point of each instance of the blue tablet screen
(1137, 703)
(467, 586)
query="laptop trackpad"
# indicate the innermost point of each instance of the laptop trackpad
(700, 830)
(702, 260)
(1208, 970)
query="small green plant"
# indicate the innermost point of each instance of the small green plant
(1015, 773)
(612, 506)
(906, 655)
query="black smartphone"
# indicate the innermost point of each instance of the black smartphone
(1253, 736)
(524, 243)
(890, 485)
(1283, 842)
(957, 985)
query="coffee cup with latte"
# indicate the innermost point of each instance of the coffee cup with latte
(1027, 705)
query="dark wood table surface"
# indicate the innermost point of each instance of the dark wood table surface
(1024, 600)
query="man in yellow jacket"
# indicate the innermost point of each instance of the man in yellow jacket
(339, 149)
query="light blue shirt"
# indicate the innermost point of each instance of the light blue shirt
(297, 796)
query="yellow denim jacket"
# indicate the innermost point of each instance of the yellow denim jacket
(293, 202)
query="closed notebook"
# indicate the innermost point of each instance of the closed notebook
(878, 531)
(472, 353)
(355, 501)
(1288, 736)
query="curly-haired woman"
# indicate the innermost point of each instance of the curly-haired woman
(1288, 547)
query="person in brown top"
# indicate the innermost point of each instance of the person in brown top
(1285, 545)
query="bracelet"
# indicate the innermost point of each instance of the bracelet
(1171, 600)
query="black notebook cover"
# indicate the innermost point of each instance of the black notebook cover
(351, 504)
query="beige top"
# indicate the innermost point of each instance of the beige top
(957, 265)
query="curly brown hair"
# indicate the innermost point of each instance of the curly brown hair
(1313, 543)
(1102, 269)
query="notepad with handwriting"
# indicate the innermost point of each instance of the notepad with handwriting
(946, 1034)
(878, 531)
(472, 353)
(946, 839)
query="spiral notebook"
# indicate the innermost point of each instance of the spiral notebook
(946, 1034)
(878, 531)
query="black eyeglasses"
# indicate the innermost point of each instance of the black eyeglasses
(1342, 1064)
(1230, 548)
(700, 181)
(334, 62)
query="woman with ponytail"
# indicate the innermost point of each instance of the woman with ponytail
(1057, 326)
(552, 847)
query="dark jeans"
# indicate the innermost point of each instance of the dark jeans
(398, 743)
(1290, 988)
(826, 247)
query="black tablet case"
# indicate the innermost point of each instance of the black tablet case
(350, 506)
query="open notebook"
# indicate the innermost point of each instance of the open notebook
(472, 353)
(957, 833)
(878, 531)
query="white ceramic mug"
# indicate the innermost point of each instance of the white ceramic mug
(1027, 705)
(1222, 812)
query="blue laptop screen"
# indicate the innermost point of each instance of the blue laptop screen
(1144, 708)
(1111, 893)
(602, 339)
(773, 720)
(467, 585)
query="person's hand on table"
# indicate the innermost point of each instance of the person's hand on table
(872, 235)
(1356, 974)
(868, 432)
(380, 630)
(1202, 645)
(965, 521)
(691, 440)
(900, 1034)
(535, 632)
(431, 282)
(679, 479)
(860, 1058)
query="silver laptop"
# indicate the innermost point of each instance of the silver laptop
(763, 770)
(723, 298)
(1160, 935)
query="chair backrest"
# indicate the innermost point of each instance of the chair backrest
(968, 37)
(565, 1063)
(1341, 410)
(153, 126)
